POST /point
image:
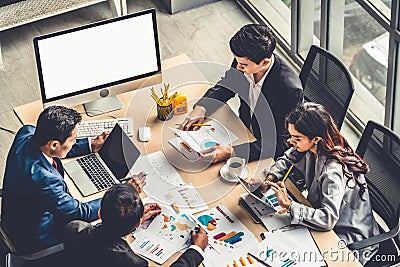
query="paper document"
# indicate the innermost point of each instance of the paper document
(228, 238)
(225, 231)
(290, 246)
(206, 137)
(168, 233)
(161, 175)
(186, 198)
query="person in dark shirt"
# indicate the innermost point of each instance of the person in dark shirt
(268, 90)
(103, 245)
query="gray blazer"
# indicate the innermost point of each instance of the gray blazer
(336, 205)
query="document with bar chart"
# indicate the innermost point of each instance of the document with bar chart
(168, 233)
(225, 231)
(228, 238)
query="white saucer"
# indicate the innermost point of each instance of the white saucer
(227, 177)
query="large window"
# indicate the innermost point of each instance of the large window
(363, 33)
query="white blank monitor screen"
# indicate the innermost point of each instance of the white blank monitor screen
(96, 56)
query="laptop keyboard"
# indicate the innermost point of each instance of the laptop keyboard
(97, 174)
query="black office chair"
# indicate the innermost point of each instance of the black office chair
(12, 258)
(380, 148)
(327, 81)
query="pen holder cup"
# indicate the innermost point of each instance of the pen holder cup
(164, 113)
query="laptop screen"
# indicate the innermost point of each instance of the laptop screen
(119, 152)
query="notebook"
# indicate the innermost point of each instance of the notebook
(99, 171)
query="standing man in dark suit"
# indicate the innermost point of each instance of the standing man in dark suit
(36, 202)
(268, 90)
(103, 245)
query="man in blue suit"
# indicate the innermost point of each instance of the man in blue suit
(36, 201)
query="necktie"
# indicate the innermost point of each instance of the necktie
(54, 164)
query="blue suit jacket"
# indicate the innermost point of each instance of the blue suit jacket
(36, 202)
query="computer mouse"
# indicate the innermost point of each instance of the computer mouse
(144, 134)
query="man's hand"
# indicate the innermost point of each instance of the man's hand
(217, 153)
(99, 141)
(280, 193)
(150, 210)
(196, 116)
(138, 181)
(200, 238)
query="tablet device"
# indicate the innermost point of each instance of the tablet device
(268, 197)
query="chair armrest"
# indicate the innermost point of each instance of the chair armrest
(44, 252)
(374, 239)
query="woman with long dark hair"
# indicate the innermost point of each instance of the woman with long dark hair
(334, 178)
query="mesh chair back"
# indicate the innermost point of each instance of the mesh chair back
(327, 81)
(380, 148)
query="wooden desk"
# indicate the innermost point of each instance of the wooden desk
(139, 105)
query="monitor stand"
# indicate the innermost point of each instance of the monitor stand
(103, 105)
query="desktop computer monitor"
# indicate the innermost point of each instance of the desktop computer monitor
(91, 63)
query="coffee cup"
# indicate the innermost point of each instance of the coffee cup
(236, 166)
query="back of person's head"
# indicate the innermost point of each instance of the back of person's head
(121, 209)
(55, 123)
(254, 42)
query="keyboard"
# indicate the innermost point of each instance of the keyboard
(96, 172)
(96, 127)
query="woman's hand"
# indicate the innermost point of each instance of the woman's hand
(269, 178)
(280, 193)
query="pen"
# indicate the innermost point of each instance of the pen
(128, 178)
(259, 260)
(287, 173)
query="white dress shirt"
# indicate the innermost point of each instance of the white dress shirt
(255, 88)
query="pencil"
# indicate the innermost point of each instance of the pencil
(259, 260)
(200, 124)
(287, 174)
(194, 124)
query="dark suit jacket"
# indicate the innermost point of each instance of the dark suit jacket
(281, 93)
(36, 202)
(87, 245)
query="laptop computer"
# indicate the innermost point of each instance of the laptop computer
(99, 171)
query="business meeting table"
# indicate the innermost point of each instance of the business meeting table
(184, 77)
